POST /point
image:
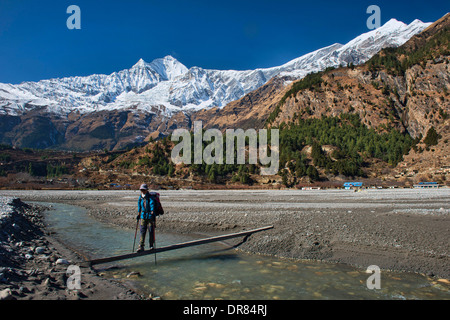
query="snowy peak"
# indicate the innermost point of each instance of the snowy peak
(357, 51)
(167, 83)
(393, 24)
(414, 24)
(140, 64)
(393, 33)
(168, 67)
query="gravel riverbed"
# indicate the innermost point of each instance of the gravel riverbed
(395, 229)
(34, 266)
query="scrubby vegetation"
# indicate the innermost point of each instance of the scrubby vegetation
(353, 144)
(432, 137)
(397, 60)
(311, 82)
(158, 158)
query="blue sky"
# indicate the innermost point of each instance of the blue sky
(35, 43)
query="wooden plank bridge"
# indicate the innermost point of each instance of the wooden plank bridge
(176, 246)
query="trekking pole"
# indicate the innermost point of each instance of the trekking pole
(154, 238)
(135, 233)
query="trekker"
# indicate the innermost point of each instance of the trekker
(148, 207)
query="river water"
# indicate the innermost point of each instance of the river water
(214, 271)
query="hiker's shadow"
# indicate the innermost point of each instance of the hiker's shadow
(214, 255)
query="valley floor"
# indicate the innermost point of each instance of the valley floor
(395, 229)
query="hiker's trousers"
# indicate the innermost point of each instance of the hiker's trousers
(147, 225)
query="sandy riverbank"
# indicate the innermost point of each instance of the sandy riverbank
(396, 229)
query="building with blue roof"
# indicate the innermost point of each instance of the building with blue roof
(351, 185)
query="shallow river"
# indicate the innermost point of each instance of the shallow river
(213, 271)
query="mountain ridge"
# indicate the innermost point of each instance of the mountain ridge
(212, 88)
(401, 91)
(151, 99)
(385, 122)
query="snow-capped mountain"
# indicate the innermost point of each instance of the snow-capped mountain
(168, 85)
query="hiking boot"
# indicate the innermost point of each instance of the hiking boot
(140, 249)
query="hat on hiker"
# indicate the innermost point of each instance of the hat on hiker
(143, 187)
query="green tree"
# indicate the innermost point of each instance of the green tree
(312, 173)
(432, 137)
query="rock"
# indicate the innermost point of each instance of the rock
(39, 250)
(62, 261)
(216, 285)
(446, 281)
(32, 272)
(6, 294)
(45, 257)
(134, 274)
(46, 282)
(200, 289)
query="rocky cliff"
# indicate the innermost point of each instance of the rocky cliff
(405, 88)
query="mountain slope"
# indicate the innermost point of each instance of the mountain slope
(168, 82)
(152, 99)
(402, 90)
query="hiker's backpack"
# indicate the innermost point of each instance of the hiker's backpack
(158, 209)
